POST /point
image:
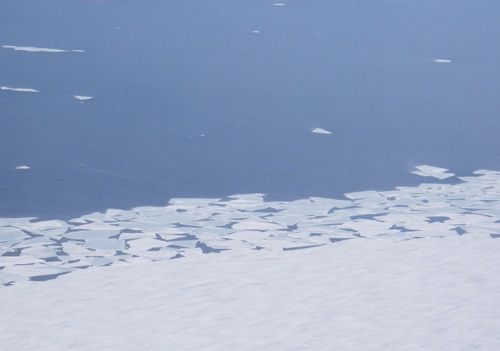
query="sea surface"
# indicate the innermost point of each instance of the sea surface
(209, 98)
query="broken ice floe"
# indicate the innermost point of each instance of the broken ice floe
(430, 171)
(40, 250)
(23, 167)
(82, 97)
(442, 61)
(279, 4)
(35, 49)
(22, 90)
(320, 131)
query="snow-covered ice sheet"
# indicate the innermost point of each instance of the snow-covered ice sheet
(429, 294)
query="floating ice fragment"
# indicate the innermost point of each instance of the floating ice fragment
(320, 131)
(256, 31)
(442, 61)
(279, 4)
(77, 50)
(23, 90)
(430, 171)
(83, 98)
(23, 167)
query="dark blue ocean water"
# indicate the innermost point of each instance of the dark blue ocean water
(180, 69)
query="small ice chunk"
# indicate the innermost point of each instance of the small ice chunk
(77, 50)
(442, 61)
(23, 167)
(83, 98)
(256, 31)
(320, 131)
(279, 4)
(23, 90)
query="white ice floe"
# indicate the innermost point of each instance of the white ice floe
(320, 131)
(22, 90)
(23, 167)
(10, 233)
(430, 171)
(83, 98)
(442, 61)
(35, 49)
(279, 4)
(256, 31)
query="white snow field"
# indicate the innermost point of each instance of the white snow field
(428, 295)
(415, 268)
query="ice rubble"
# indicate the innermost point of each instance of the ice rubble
(188, 227)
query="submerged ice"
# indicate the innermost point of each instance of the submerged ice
(30, 249)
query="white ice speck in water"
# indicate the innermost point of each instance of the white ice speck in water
(83, 98)
(23, 167)
(442, 61)
(256, 31)
(77, 50)
(279, 4)
(320, 131)
(24, 90)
